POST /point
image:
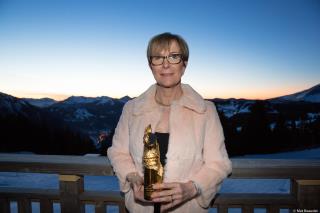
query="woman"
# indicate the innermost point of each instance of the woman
(189, 132)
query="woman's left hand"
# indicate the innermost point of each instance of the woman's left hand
(173, 194)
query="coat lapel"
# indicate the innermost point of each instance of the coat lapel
(190, 99)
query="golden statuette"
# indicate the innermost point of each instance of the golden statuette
(153, 170)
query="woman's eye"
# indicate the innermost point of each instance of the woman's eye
(175, 56)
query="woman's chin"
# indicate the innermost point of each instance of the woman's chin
(168, 84)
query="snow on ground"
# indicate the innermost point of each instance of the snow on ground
(50, 181)
(82, 114)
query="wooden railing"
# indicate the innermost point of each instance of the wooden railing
(304, 193)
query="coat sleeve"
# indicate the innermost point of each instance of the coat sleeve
(216, 164)
(118, 153)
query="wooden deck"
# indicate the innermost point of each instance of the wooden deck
(304, 193)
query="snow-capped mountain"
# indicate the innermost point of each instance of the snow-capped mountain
(95, 100)
(10, 105)
(309, 95)
(96, 116)
(86, 100)
(42, 102)
(91, 115)
(231, 107)
(25, 127)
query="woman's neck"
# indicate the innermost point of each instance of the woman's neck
(165, 96)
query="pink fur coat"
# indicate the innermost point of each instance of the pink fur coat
(196, 149)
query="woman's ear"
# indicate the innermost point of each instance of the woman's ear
(183, 69)
(185, 63)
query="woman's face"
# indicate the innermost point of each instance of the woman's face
(168, 75)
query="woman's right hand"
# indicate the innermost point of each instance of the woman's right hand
(136, 183)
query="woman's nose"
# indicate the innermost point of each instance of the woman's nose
(165, 63)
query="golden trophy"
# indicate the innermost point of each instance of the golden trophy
(153, 170)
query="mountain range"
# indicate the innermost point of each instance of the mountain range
(231, 106)
(25, 127)
(95, 115)
(309, 95)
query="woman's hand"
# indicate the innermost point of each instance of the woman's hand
(173, 194)
(136, 183)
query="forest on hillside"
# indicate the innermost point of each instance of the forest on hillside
(255, 132)
(20, 134)
(289, 131)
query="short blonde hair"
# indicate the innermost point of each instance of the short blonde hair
(163, 41)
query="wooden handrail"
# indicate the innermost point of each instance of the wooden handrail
(304, 174)
(276, 168)
(99, 165)
(56, 164)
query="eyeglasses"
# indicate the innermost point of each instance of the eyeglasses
(174, 58)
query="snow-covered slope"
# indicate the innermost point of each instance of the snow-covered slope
(87, 100)
(10, 105)
(78, 100)
(231, 107)
(42, 102)
(309, 95)
(90, 115)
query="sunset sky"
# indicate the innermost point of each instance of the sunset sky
(241, 49)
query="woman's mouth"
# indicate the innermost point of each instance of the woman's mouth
(166, 74)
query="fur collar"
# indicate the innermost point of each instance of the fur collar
(189, 99)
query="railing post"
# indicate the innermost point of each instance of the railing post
(247, 209)
(307, 193)
(222, 209)
(24, 206)
(4, 205)
(100, 208)
(46, 206)
(273, 209)
(71, 186)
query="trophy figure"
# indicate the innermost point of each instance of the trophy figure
(153, 170)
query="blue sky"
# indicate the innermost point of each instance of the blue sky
(242, 49)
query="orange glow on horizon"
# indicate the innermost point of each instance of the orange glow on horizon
(245, 93)
(36, 95)
(255, 93)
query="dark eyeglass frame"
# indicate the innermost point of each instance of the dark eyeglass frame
(167, 57)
